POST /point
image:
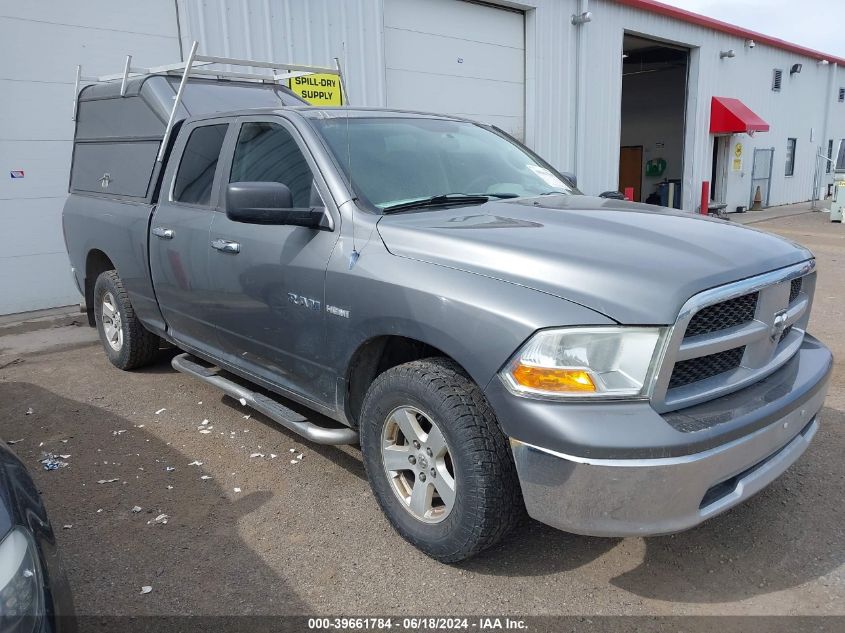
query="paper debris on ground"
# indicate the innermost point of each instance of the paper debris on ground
(236, 489)
(300, 456)
(273, 456)
(106, 481)
(51, 462)
(160, 519)
(204, 422)
(68, 526)
(146, 589)
(256, 455)
(196, 462)
(169, 469)
(204, 431)
(29, 411)
(136, 509)
(160, 411)
(292, 450)
(247, 417)
(294, 461)
(10, 442)
(206, 477)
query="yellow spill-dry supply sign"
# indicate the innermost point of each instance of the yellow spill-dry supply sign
(318, 89)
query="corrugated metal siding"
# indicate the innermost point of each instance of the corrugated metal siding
(310, 32)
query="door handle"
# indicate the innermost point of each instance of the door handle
(163, 233)
(226, 246)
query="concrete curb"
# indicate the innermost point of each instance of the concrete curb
(41, 320)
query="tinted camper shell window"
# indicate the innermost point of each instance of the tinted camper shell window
(118, 137)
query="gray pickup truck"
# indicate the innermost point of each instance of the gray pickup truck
(427, 286)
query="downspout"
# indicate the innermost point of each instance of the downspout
(579, 20)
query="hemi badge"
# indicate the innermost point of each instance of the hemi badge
(337, 311)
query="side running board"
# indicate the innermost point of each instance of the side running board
(273, 409)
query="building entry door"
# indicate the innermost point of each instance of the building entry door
(761, 174)
(631, 170)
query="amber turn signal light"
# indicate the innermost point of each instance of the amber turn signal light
(553, 380)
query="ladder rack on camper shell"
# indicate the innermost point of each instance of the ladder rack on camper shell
(195, 66)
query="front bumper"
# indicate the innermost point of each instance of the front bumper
(587, 489)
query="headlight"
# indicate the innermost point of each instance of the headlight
(586, 362)
(21, 599)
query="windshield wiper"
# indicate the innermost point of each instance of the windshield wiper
(439, 201)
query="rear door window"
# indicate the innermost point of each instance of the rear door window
(195, 177)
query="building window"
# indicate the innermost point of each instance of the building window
(777, 79)
(841, 95)
(829, 156)
(790, 156)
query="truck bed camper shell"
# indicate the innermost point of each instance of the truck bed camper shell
(125, 123)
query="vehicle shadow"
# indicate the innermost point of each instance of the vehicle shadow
(352, 463)
(162, 362)
(196, 563)
(535, 549)
(791, 533)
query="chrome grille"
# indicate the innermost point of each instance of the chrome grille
(721, 316)
(732, 336)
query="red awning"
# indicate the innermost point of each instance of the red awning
(732, 116)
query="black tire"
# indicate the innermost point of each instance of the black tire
(139, 347)
(488, 501)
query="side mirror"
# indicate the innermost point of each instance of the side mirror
(268, 203)
(571, 177)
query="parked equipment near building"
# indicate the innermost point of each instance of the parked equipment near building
(838, 200)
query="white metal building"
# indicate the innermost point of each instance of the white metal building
(625, 98)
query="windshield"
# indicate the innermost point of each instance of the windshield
(395, 161)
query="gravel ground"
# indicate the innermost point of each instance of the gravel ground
(307, 537)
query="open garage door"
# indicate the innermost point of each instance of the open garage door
(654, 96)
(436, 63)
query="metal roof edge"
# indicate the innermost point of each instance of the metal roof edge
(652, 6)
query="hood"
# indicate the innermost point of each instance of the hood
(634, 263)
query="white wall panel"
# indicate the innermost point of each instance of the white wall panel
(435, 63)
(46, 170)
(41, 43)
(36, 224)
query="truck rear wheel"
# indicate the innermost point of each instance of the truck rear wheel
(437, 462)
(127, 343)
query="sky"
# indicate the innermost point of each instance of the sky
(815, 24)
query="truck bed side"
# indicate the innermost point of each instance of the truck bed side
(105, 233)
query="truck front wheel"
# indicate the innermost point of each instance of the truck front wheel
(127, 343)
(439, 465)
